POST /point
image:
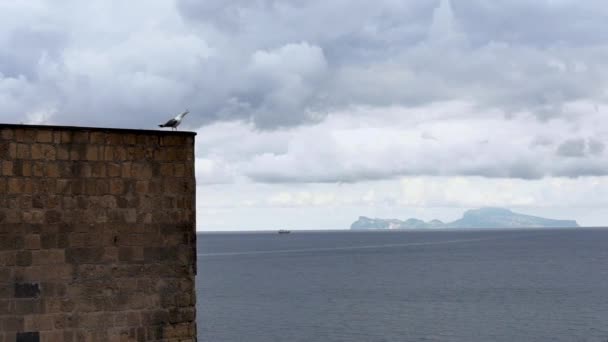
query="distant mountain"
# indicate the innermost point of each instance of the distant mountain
(477, 218)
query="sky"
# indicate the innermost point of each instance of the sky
(312, 113)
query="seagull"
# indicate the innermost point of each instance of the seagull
(173, 123)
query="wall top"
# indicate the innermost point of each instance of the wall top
(97, 129)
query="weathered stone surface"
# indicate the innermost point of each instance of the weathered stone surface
(28, 337)
(97, 237)
(27, 290)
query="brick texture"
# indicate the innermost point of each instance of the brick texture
(97, 234)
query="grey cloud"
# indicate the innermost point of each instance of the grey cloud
(428, 136)
(576, 170)
(378, 54)
(349, 149)
(24, 47)
(337, 172)
(541, 141)
(579, 148)
(574, 148)
(419, 73)
(540, 23)
(596, 147)
(520, 169)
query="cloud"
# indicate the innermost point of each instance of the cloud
(516, 21)
(572, 148)
(578, 148)
(290, 63)
(444, 28)
(288, 75)
(389, 143)
(596, 147)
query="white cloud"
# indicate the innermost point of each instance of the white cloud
(367, 144)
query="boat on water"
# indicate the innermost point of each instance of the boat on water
(283, 231)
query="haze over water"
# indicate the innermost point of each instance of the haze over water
(508, 285)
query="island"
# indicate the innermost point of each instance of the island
(476, 218)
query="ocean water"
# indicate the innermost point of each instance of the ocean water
(508, 285)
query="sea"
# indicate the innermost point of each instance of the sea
(381, 286)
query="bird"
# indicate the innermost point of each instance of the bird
(173, 123)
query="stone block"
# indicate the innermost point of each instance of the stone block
(24, 258)
(25, 168)
(53, 336)
(141, 171)
(80, 137)
(129, 139)
(63, 153)
(126, 170)
(166, 170)
(97, 138)
(25, 135)
(23, 151)
(28, 337)
(52, 216)
(113, 170)
(4, 150)
(141, 187)
(176, 331)
(43, 151)
(44, 136)
(6, 134)
(28, 306)
(84, 255)
(92, 153)
(56, 137)
(15, 186)
(98, 170)
(7, 168)
(113, 139)
(32, 242)
(66, 137)
(27, 290)
(120, 153)
(179, 170)
(52, 170)
(11, 323)
(38, 169)
(108, 153)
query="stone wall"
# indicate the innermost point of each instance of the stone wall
(97, 234)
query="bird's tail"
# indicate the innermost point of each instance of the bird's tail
(161, 125)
